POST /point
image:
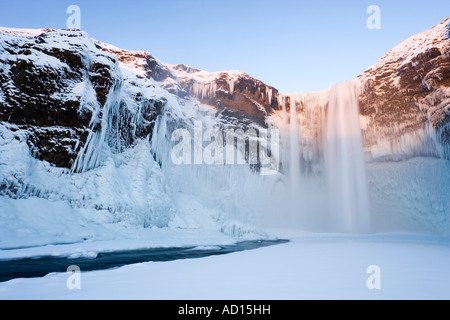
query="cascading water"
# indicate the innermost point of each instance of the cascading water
(290, 158)
(91, 154)
(321, 150)
(344, 162)
(294, 145)
(323, 161)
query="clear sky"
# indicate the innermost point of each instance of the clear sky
(293, 45)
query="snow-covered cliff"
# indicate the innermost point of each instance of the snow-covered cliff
(405, 98)
(88, 128)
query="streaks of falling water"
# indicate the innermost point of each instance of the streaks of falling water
(344, 162)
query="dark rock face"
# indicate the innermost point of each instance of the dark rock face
(102, 81)
(29, 92)
(57, 146)
(55, 87)
(36, 97)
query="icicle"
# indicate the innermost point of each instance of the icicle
(202, 90)
(269, 92)
(294, 163)
(90, 155)
(231, 85)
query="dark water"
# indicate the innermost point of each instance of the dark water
(40, 266)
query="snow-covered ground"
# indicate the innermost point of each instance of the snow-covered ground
(136, 239)
(310, 266)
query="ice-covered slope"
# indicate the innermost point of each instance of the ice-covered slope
(74, 141)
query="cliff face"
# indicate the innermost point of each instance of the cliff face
(89, 127)
(63, 90)
(55, 87)
(74, 130)
(234, 94)
(406, 95)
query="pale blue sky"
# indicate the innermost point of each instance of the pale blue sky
(293, 45)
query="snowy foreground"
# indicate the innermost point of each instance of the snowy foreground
(310, 266)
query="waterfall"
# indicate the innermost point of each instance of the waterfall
(290, 158)
(294, 154)
(107, 119)
(344, 162)
(323, 161)
(321, 150)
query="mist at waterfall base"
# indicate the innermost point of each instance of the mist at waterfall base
(323, 186)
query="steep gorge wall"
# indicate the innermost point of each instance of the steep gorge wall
(56, 85)
(405, 97)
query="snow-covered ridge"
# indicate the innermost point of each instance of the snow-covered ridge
(403, 53)
(405, 98)
(134, 61)
(23, 32)
(183, 72)
(204, 78)
(184, 81)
